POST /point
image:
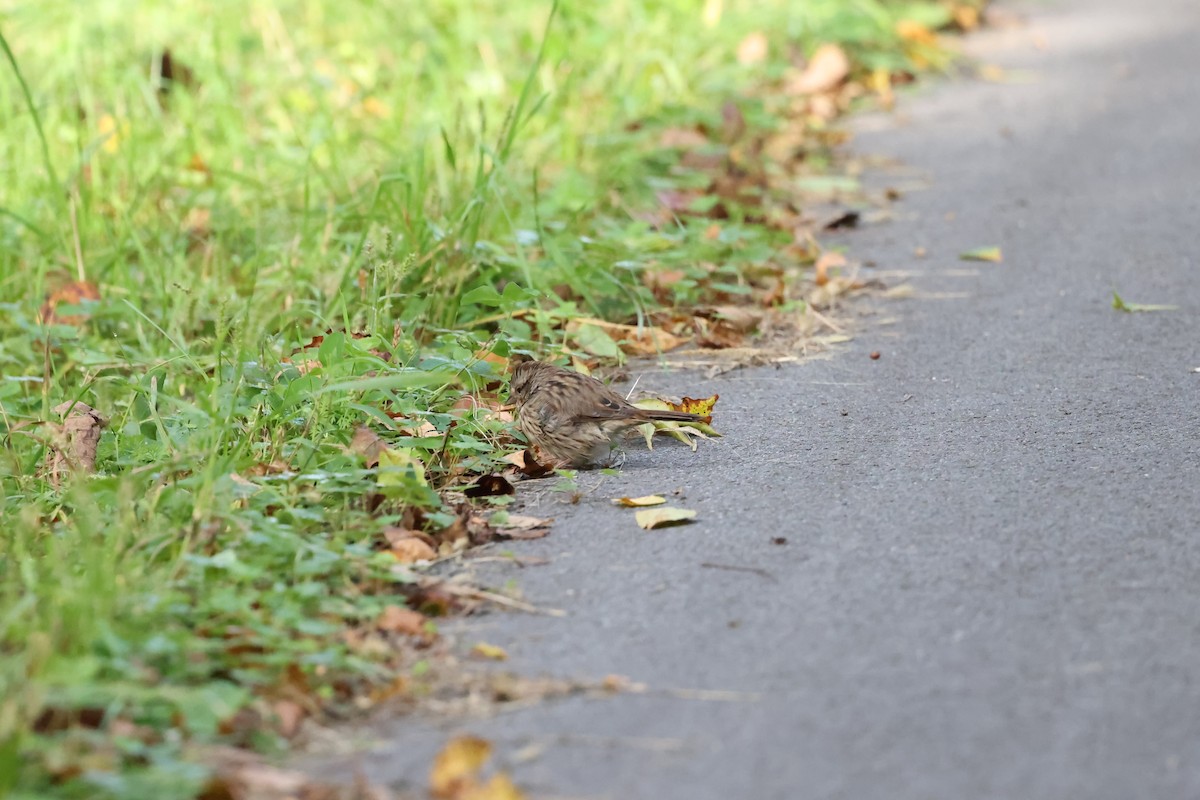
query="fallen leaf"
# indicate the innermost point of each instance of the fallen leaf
(966, 17)
(682, 139)
(639, 502)
(456, 768)
(74, 443)
(660, 282)
(487, 405)
(489, 651)
(410, 551)
(753, 49)
(992, 254)
(397, 466)
(489, 486)
(716, 334)
(289, 714)
(75, 293)
(1120, 304)
(912, 31)
(826, 70)
(652, 518)
(498, 787)
(498, 361)
(635, 340)
(527, 464)
(702, 406)
(368, 444)
(827, 261)
(398, 619)
(522, 522)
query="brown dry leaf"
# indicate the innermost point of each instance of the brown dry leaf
(412, 550)
(489, 486)
(828, 261)
(197, 223)
(71, 294)
(498, 361)
(634, 340)
(660, 282)
(523, 522)
(367, 444)
(289, 714)
(639, 502)
(825, 71)
(74, 443)
(527, 464)
(716, 335)
(652, 518)
(487, 404)
(742, 319)
(241, 775)
(424, 429)
(681, 139)
(398, 619)
(489, 651)
(521, 526)
(456, 768)
(753, 49)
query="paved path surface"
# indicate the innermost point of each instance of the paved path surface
(991, 585)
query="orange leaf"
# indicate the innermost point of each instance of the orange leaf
(72, 294)
(826, 70)
(826, 262)
(397, 619)
(456, 768)
(410, 551)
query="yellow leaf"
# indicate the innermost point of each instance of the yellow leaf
(983, 254)
(639, 502)
(913, 31)
(375, 107)
(457, 766)
(700, 406)
(399, 464)
(663, 517)
(500, 787)
(110, 133)
(489, 651)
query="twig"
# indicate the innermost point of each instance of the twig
(735, 568)
(492, 597)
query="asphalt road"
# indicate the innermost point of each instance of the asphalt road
(991, 581)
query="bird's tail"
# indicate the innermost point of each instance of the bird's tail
(668, 416)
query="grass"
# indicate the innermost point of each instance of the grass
(419, 183)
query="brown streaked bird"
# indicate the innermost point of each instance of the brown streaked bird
(573, 418)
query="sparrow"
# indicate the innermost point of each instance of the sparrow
(574, 419)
